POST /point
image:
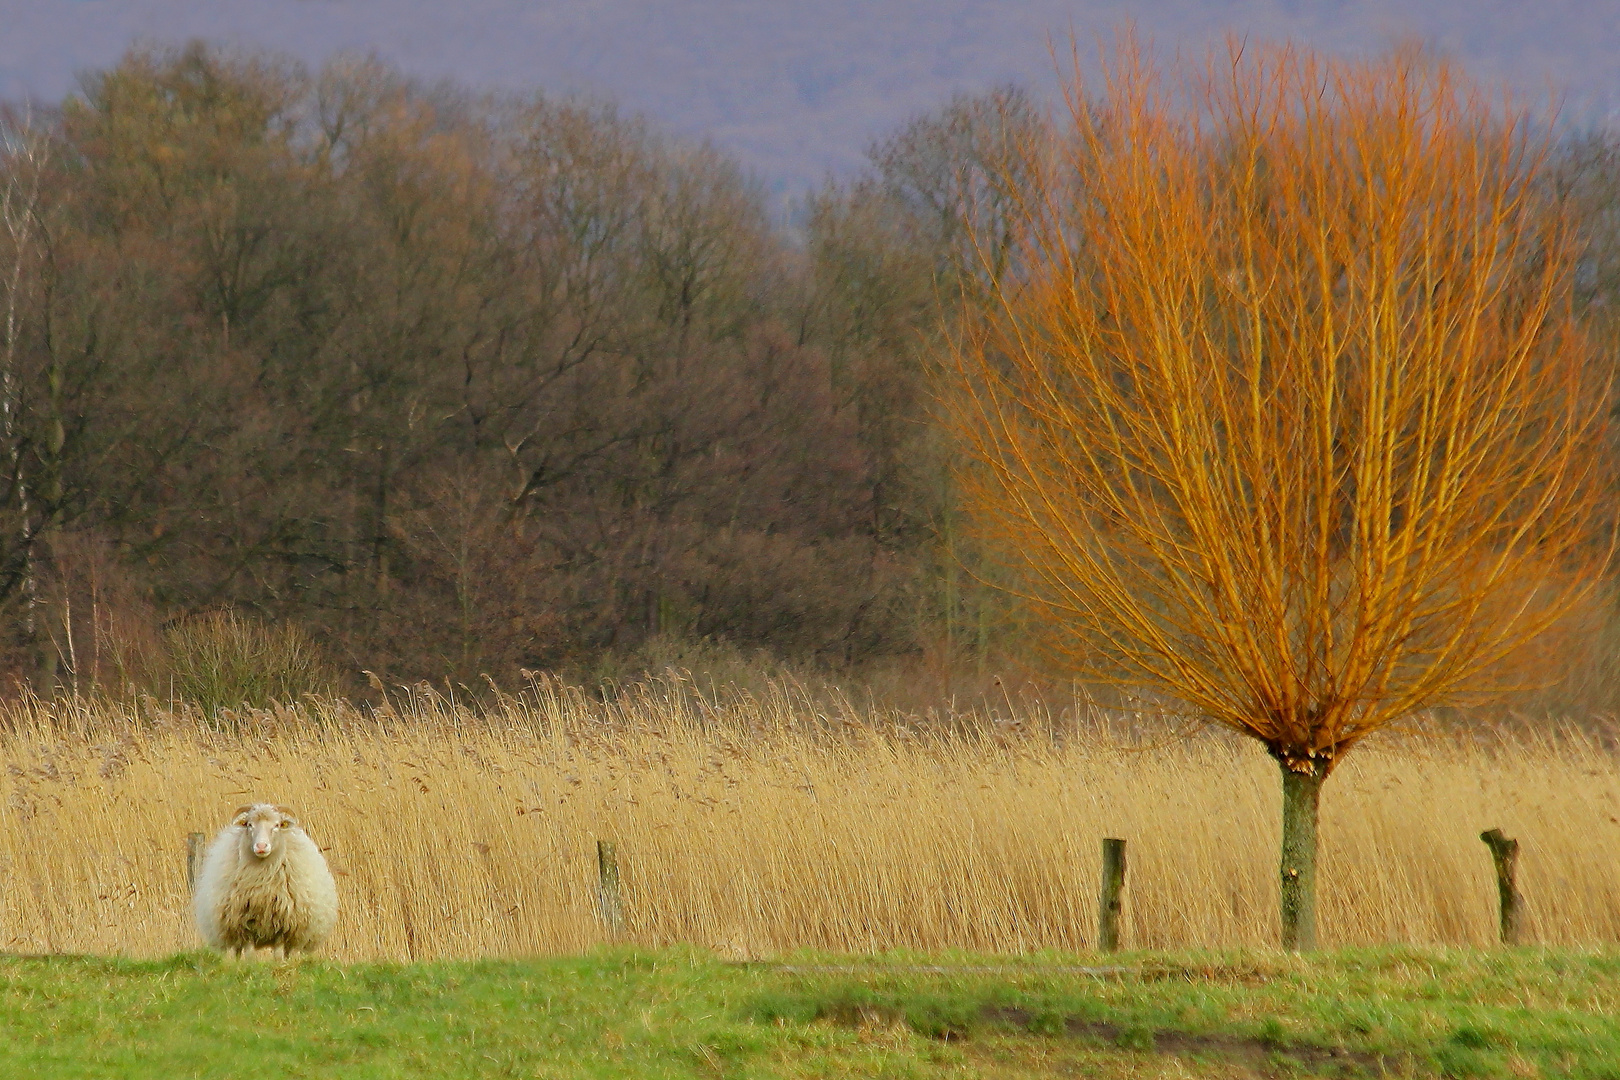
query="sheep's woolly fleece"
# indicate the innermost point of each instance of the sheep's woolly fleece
(264, 884)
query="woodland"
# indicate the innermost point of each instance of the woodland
(425, 384)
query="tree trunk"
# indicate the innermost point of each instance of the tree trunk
(1302, 793)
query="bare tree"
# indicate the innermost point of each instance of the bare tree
(1286, 414)
(26, 160)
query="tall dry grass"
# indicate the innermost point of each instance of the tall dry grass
(757, 825)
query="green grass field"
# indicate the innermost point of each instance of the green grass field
(679, 1013)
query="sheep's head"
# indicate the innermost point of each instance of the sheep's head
(263, 824)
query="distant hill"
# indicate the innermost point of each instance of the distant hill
(798, 89)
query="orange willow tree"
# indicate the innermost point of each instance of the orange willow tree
(1283, 413)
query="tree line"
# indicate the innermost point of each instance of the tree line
(459, 384)
(465, 384)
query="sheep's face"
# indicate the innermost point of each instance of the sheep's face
(263, 825)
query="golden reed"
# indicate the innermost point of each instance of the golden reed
(759, 825)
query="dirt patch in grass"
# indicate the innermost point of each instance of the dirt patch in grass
(1260, 1055)
(1263, 1055)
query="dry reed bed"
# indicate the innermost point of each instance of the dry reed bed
(758, 826)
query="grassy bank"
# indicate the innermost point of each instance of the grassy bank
(677, 1013)
(756, 827)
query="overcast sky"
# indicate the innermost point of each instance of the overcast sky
(799, 88)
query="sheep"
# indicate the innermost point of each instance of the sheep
(264, 883)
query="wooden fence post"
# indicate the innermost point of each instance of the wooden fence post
(1113, 884)
(607, 887)
(194, 857)
(1505, 853)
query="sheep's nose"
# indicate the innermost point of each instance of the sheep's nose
(261, 849)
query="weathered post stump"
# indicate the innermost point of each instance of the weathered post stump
(607, 887)
(1113, 885)
(1505, 853)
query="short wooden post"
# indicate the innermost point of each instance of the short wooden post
(194, 857)
(1113, 885)
(607, 887)
(1505, 853)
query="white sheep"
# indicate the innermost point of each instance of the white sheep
(264, 884)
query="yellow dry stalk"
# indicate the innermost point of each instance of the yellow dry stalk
(761, 823)
(1284, 411)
